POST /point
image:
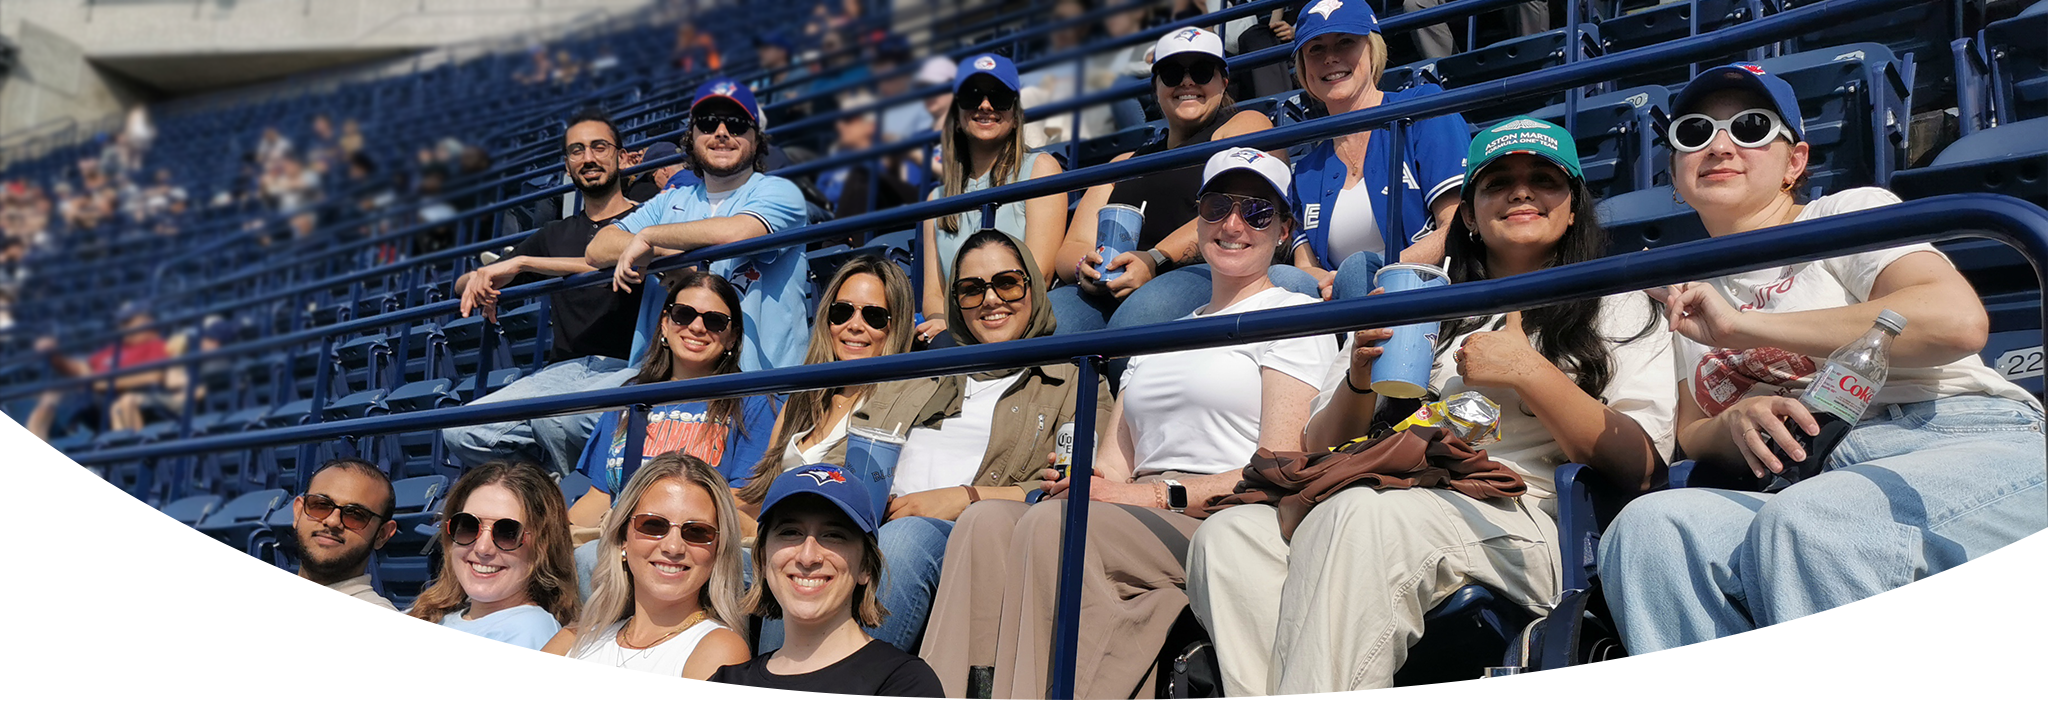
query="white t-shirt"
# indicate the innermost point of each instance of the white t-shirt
(950, 455)
(718, 199)
(1352, 226)
(1717, 378)
(1640, 388)
(795, 455)
(1197, 411)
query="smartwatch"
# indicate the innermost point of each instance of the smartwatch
(1159, 261)
(1176, 496)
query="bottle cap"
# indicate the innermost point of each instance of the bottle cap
(1892, 321)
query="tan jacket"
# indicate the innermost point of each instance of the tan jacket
(1025, 430)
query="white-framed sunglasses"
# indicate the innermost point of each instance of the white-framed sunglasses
(1753, 128)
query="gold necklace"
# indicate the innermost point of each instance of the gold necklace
(693, 619)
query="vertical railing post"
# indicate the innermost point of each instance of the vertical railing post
(1074, 537)
(636, 440)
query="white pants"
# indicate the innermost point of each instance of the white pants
(1339, 607)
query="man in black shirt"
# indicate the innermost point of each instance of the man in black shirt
(593, 326)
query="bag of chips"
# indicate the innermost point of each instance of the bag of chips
(1469, 415)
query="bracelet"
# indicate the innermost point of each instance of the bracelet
(973, 495)
(1353, 387)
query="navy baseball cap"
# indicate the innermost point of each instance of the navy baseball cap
(846, 489)
(1743, 76)
(991, 65)
(659, 151)
(129, 310)
(774, 38)
(220, 330)
(731, 91)
(1334, 16)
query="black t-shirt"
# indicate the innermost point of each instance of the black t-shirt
(589, 321)
(1168, 197)
(878, 668)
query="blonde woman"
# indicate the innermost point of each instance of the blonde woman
(670, 603)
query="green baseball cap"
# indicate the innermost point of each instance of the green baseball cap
(1521, 134)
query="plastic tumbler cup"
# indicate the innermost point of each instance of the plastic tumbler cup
(871, 453)
(1116, 233)
(1402, 371)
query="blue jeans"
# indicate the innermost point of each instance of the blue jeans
(912, 550)
(1170, 296)
(1920, 489)
(551, 442)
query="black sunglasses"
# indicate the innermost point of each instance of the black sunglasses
(970, 98)
(1170, 74)
(714, 322)
(708, 123)
(1257, 213)
(464, 528)
(841, 312)
(972, 291)
(353, 516)
(655, 527)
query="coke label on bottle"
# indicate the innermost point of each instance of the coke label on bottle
(1839, 395)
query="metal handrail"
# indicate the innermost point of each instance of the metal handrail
(1549, 80)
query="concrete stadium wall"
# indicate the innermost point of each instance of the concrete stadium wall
(86, 59)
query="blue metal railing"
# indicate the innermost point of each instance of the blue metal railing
(2008, 220)
(1550, 80)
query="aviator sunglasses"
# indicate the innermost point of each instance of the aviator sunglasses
(353, 516)
(1257, 213)
(655, 527)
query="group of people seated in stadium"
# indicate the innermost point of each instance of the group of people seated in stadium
(954, 565)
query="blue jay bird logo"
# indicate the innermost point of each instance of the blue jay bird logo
(1188, 34)
(726, 88)
(823, 477)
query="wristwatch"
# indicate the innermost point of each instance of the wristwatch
(1159, 261)
(1176, 496)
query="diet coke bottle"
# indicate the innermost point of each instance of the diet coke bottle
(1840, 392)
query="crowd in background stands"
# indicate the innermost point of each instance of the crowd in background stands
(745, 550)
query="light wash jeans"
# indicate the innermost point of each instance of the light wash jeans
(1172, 295)
(551, 442)
(1920, 489)
(912, 550)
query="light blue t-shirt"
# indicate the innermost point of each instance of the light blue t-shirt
(774, 286)
(526, 626)
(1009, 216)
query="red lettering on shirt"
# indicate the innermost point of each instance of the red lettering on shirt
(1724, 376)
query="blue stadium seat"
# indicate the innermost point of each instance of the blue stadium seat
(274, 542)
(192, 510)
(1853, 98)
(243, 516)
(1516, 56)
(2018, 49)
(574, 485)
(1619, 148)
(1648, 218)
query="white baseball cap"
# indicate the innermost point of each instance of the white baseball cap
(1269, 167)
(937, 70)
(1188, 40)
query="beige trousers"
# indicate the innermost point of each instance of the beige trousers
(1000, 586)
(1339, 607)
